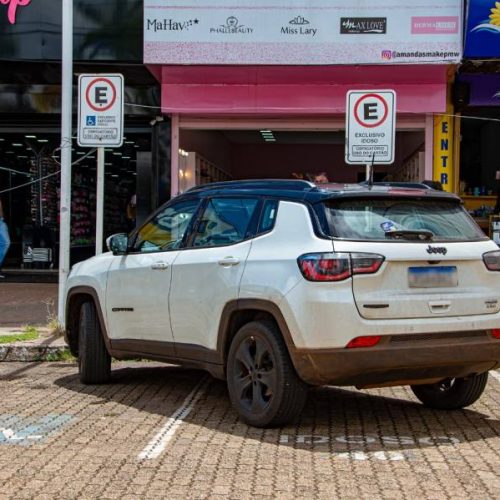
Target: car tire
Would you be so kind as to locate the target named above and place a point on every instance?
(452, 394)
(94, 361)
(263, 386)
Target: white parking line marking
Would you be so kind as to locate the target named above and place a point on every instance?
(495, 374)
(156, 446)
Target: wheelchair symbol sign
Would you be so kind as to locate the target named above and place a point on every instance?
(91, 121)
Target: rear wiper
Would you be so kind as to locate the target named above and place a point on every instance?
(410, 234)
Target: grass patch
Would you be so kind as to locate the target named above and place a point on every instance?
(29, 333)
(63, 355)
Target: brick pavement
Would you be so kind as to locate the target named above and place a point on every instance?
(64, 440)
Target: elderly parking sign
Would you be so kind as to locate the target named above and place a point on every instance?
(100, 110)
(370, 127)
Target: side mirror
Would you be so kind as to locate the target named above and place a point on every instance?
(118, 243)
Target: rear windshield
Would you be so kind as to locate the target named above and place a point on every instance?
(376, 219)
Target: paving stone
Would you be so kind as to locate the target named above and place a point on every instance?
(379, 443)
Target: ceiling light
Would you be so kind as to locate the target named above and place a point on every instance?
(108, 164)
(117, 153)
(30, 136)
(43, 140)
(267, 135)
(80, 152)
(17, 145)
(125, 157)
(2, 139)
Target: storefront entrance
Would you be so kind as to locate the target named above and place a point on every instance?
(219, 150)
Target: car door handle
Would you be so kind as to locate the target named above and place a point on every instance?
(229, 261)
(159, 266)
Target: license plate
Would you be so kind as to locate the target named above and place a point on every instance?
(432, 277)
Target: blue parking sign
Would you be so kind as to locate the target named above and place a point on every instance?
(91, 121)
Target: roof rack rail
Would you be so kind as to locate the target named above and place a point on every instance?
(284, 184)
(414, 185)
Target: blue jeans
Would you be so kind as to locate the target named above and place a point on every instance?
(4, 240)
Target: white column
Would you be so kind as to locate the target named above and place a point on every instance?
(66, 115)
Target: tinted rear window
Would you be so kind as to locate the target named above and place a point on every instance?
(372, 219)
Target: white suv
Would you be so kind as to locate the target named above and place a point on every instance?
(277, 285)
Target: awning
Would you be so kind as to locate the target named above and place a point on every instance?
(295, 90)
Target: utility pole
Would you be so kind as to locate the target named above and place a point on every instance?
(66, 117)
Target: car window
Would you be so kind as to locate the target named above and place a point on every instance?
(225, 221)
(376, 219)
(167, 228)
(268, 217)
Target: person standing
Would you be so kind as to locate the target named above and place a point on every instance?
(4, 238)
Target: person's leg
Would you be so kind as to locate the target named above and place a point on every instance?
(4, 241)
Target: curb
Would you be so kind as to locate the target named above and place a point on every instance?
(12, 352)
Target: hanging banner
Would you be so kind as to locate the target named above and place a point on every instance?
(482, 37)
(302, 32)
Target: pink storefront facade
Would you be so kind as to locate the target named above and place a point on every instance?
(287, 97)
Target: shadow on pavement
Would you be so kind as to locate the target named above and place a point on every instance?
(333, 420)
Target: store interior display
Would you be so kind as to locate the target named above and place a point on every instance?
(83, 202)
(32, 211)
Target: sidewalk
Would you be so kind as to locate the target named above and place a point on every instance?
(24, 304)
(29, 307)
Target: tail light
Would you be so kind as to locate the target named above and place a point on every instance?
(496, 333)
(492, 260)
(338, 266)
(367, 341)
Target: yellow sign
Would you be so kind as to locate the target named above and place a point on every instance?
(443, 170)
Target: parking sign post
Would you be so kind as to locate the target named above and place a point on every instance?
(370, 128)
(100, 125)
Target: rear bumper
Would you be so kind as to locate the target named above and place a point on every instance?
(400, 360)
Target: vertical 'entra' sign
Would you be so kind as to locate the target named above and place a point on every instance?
(12, 8)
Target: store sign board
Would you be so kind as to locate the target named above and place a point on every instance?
(12, 6)
(100, 110)
(482, 38)
(320, 32)
(370, 127)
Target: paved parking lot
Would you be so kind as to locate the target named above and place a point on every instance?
(160, 432)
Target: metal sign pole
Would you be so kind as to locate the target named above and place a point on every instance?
(66, 115)
(99, 231)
